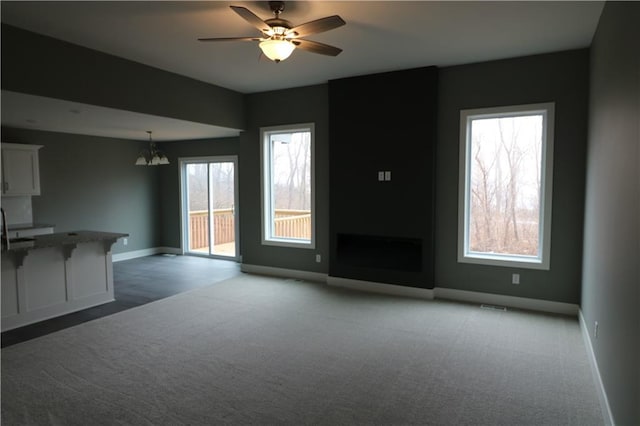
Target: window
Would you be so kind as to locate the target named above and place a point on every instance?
(506, 164)
(288, 185)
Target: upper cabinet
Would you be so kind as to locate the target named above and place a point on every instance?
(20, 169)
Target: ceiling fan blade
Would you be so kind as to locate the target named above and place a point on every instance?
(315, 47)
(251, 18)
(317, 26)
(231, 39)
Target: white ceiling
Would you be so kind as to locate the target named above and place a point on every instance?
(55, 115)
(379, 35)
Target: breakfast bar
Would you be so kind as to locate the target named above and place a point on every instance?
(45, 276)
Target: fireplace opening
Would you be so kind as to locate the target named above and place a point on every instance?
(380, 252)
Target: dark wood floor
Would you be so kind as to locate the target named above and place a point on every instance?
(136, 282)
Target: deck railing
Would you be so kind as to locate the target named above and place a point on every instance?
(223, 228)
(293, 224)
(288, 224)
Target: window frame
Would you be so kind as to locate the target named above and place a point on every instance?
(543, 260)
(266, 186)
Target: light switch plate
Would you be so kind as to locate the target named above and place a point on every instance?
(380, 176)
(387, 175)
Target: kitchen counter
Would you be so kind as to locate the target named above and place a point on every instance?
(25, 226)
(62, 239)
(25, 230)
(45, 276)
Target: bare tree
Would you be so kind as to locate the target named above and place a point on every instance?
(506, 156)
(292, 165)
(514, 157)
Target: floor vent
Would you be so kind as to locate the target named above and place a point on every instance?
(493, 307)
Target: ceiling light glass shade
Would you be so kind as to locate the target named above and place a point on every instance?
(277, 50)
(141, 161)
(163, 160)
(155, 160)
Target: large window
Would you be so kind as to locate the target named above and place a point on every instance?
(505, 185)
(288, 185)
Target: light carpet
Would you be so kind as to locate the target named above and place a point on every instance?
(263, 350)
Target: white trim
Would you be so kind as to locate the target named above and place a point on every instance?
(266, 196)
(182, 173)
(422, 293)
(543, 259)
(183, 191)
(54, 311)
(374, 287)
(607, 415)
(510, 301)
(145, 252)
(282, 272)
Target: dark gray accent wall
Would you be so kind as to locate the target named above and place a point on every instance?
(44, 66)
(170, 179)
(91, 183)
(383, 231)
(292, 106)
(558, 77)
(611, 278)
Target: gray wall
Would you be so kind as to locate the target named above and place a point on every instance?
(91, 183)
(170, 181)
(611, 280)
(558, 77)
(302, 105)
(44, 66)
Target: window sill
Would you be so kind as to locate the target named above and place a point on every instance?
(289, 243)
(523, 262)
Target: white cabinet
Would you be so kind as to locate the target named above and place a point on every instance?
(20, 169)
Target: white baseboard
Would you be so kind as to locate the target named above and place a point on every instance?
(282, 272)
(145, 252)
(422, 293)
(509, 301)
(607, 415)
(48, 312)
(370, 286)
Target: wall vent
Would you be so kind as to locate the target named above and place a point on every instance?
(493, 307)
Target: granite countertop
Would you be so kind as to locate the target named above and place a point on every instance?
(23, 226)
(61, 239)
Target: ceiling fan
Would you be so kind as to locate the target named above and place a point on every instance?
(280, 38)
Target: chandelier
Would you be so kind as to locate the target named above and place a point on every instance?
(151, 156)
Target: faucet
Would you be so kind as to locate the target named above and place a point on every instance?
(5, 232)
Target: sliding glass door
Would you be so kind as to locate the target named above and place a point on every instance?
(209, 194)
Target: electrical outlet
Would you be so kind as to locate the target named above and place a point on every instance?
(318, 258)
(595, 330)
(515, 279)
(125, 241)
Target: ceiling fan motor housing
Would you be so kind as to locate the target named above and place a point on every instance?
(276, 7)
(279, 26)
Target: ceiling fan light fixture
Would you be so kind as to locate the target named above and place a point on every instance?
(280, 37)
(277, 50)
